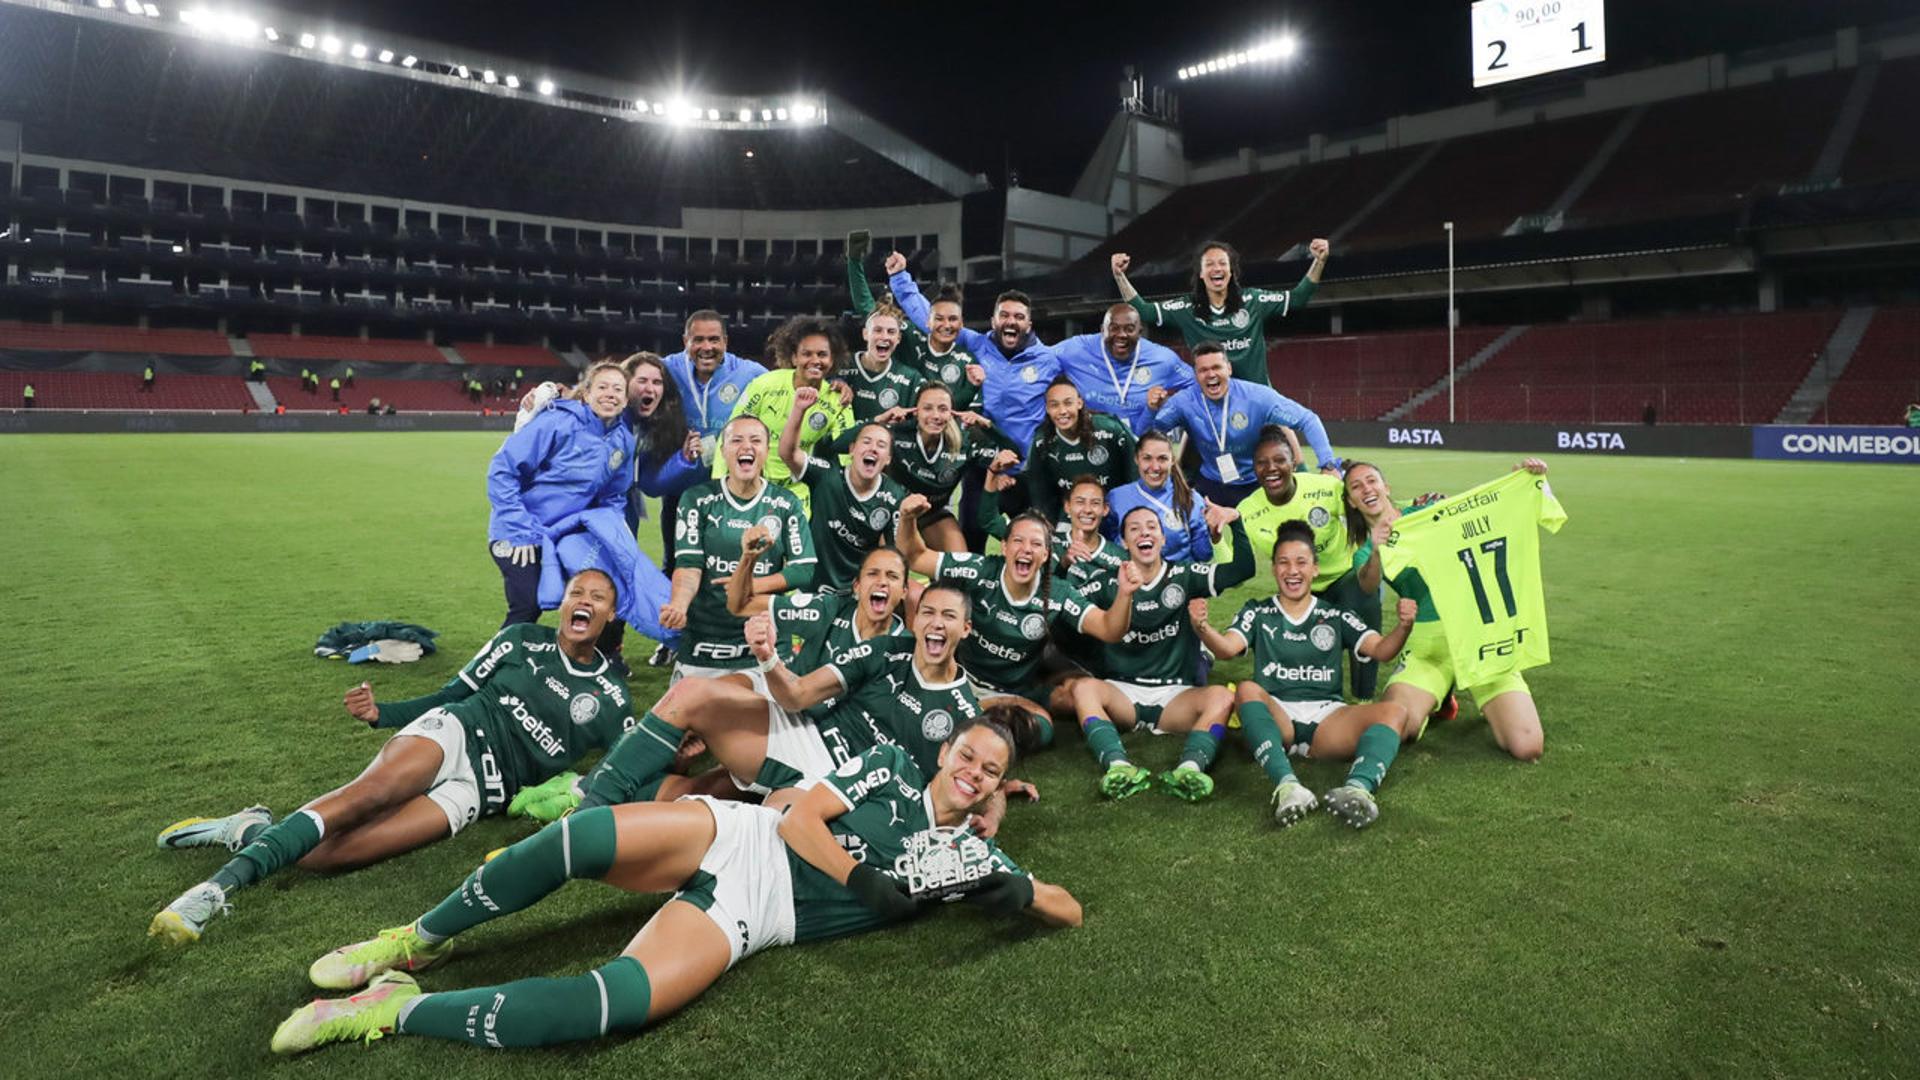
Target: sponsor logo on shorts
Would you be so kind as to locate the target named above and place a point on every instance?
(583, 708)
(1033, 626)
(433, 721)
(1323, 637)
(937, 725)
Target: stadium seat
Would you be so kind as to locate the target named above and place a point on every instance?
(1883, 377)
(121, 390)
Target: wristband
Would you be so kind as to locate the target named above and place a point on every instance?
(764, 666)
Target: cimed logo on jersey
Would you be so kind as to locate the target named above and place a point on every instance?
(941, 862)
(1322, 637)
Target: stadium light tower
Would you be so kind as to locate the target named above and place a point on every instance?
(1281, 47)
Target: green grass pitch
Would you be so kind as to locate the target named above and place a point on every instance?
(1713, 872)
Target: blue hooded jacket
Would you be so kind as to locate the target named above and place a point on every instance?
(564, 461)
(1014, 395)
(709, 407)
(1232, 425)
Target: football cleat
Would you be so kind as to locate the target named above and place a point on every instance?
(228, 832)
(662, 657)
(1123, 779)
(1292, 802)
(1352, 804)
(183, 921)
(398, 949)
(371, 1014)
(1449, 708)
(1187, 783)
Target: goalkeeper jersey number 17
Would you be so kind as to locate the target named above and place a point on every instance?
(1479, 554)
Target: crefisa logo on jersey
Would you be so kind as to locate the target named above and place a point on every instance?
(583, 708)
(1322, 637)
(1415, 436)
(1589, 440)
(937, 725)
(1033, 626)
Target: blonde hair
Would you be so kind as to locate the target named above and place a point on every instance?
(579, 391)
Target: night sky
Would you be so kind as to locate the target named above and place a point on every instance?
(990, 85)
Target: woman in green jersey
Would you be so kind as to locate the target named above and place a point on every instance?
(806, 351)
(933, 445)
(1220, 310)
(1425, 676)
(854, 851)
(1075, 441)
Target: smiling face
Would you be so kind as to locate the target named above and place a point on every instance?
(1212, 371)
(1367, 490)
(934, 411)
(972, 766)
(882, 335)
(1154, 456)
(812, 360)
(706, 345)
(645, 389)
(585, 607)
(1142, 536)
(939, 623)
(1012, 320)
(607, 393)
(1122, 332)
(1086, 507)
(1294, 566)
(943, 324)
(881, 583)
(743, 446)
(1026, 551)
(1216, 269)
(1063, 407)
(1273, 467)
(872, 451)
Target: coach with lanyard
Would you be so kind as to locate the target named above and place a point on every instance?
(1224, 416)
(1117, 368)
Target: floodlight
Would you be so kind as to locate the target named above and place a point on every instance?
(545, 86)
(746, 115)
(386, 56)
(133, 7)
(713, 114)
(804, 111)
(780, 114)
(409, 60)
(177, 249)
(1287, 46)
(151, 11)
(749, 153)
(271, 34)
(513, 82)
(489, 77)
(307, 41)
(461, 70)
(190, 16)
(330, 45)
(659, 108)
(358, 52)
(105, 4)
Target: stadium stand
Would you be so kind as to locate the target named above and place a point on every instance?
(1883, 148)
(405, 395)
(121, 390)
(111, 339)
(354, 350)
(1884, 375)
(528, 357)
(1361, 376)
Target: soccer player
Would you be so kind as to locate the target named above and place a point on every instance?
(708, 546)
(1219, 310)
(1286, 494)
(806, 353)
(1075, 441)
(825, 862)
(1146, 679)
(1016, 600)
(527, 706)
(1292, 703)
(811, 628)
(1116, 367)
(1017, 367)
(575, 456)
(1225, 416)
(934, 352)
(1429, 671)
(1187, 524)
(854, 509)
(880, 379)
(935, 451)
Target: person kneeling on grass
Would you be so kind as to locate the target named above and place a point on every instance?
(1292, 703)
(854, 851)
(526, 707)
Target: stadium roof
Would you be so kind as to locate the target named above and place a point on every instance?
(320, 104)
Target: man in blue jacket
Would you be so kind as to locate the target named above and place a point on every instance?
(1017, 364)
(1115, 369)
(574, 456)
(1223, 416)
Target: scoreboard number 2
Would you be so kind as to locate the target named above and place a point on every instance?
(1518, 39)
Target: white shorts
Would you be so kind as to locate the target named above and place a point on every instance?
(1157, 697)
(694, 671)
(1310, 712)
(455, 788)
(744, 884)
(984, 692)
(792, 741)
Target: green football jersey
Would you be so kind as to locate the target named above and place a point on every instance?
(707, 538)
(770, 397)
(1318, 500)
(531, 713)
(1054, 463)
(1008, 638)
(1087, 574)
(1160, 647)
(875, 393)
(1479, 554)
(887, 702)
(1300, 660)
(1242, 333)
(936, 472)
(949, 368)
(847, 526)
(811, 628)
(1407, 584)
(886, 800)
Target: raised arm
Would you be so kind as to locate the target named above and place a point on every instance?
(1110, 623)
(906, 293)
(1239, 569)
(1384, 648)
(907, 534)
(857, 286)
(1120, 261)
(790, 691)
(1224, 645)
(790, 450)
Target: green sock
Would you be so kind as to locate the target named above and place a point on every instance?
(1378, 745)
(536, 1012)
(1263, 735)
(280, 844)
(1042, 730)
(641, 755)
(1104, 740)
(581, 845)
(1202, 744)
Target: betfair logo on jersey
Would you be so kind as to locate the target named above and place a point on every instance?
(1165, 633)
(1505, 646)
(1303, 673)
(1589, 440)
(536, 728)
(1415, 436)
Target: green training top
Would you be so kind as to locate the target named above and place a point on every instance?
(948, 368)
(1160, 647)
(1009, 638)
(847, 526)
(1300, 661)
(707, 538)
(1053, 463)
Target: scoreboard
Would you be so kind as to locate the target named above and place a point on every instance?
(1518, 39)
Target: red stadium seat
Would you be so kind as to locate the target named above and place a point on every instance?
(121, 390)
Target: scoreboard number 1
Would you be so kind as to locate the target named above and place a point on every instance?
(1518, 39)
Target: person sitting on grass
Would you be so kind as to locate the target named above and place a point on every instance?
(851, 852)
(526, 707)
(1292, 703)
